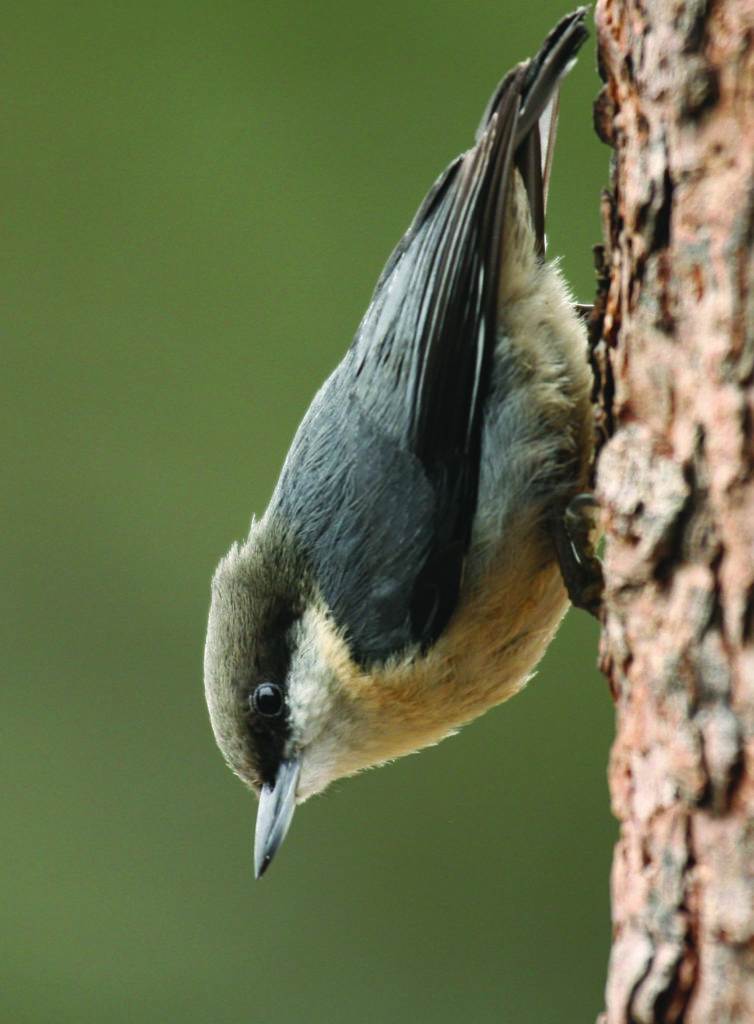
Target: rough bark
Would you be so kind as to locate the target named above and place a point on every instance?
(676, 483)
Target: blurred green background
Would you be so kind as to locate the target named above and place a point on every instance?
(197, 200)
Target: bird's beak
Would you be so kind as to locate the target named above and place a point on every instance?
(277, 802)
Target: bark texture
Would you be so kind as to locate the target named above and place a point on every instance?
(676, 483)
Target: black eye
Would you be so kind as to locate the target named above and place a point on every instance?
(267, 700)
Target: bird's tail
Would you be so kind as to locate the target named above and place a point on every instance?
(537, 81)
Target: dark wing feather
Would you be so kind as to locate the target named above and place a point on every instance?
(398, 425)
(422, 356)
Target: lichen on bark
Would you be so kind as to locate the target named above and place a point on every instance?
(676, 484)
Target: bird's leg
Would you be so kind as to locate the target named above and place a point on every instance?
(580, 567)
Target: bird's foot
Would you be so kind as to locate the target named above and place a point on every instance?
(575, 537)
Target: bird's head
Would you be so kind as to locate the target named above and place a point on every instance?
(290, 709)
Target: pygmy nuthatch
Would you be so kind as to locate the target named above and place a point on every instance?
(406, 574)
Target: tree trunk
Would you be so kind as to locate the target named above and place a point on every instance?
(676, 484)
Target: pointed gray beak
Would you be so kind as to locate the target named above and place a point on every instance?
(276, 806)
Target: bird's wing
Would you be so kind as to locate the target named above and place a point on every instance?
(399, 423)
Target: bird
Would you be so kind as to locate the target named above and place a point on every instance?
(411, 566)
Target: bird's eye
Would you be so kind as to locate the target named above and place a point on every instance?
(267, 700)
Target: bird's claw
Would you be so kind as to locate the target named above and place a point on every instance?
(575, 537)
